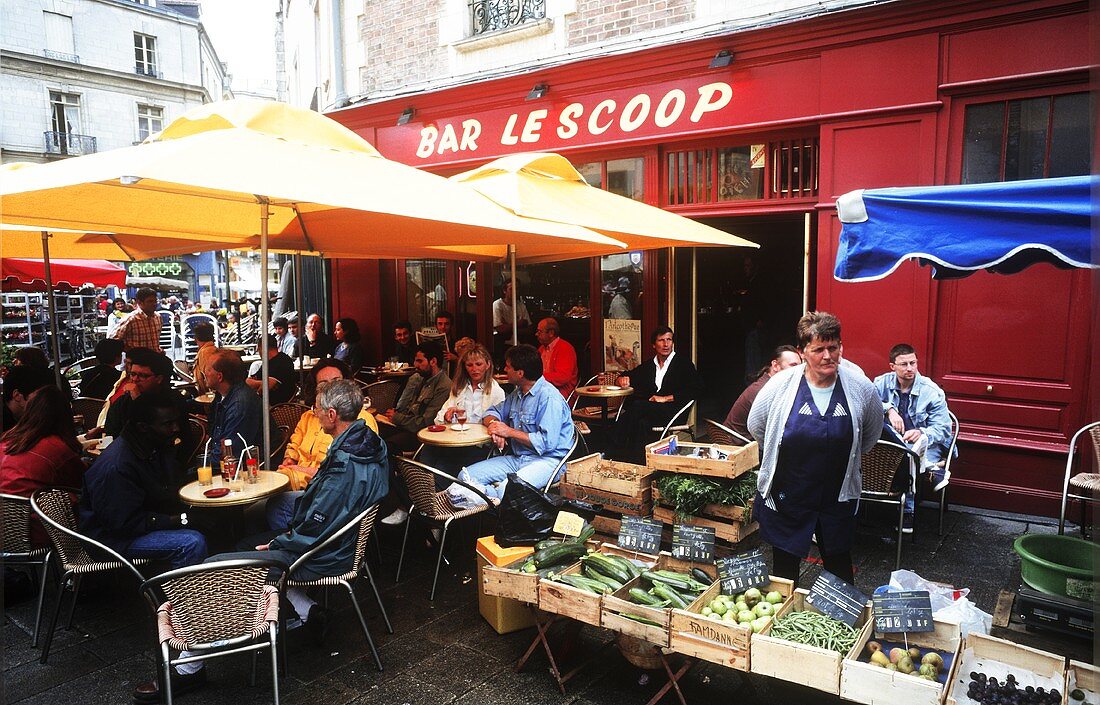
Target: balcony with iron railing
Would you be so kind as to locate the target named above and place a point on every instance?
(68, 144)
(147, 70)
(61, 56)
(495, 15)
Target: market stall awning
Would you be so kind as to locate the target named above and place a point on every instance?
(30, 274)
(1000, 227)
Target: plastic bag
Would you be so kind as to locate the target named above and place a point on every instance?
(970, 619)
(527, 514)
(941, 595)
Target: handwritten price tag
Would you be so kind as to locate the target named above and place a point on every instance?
(693, 543)
(837, 599)
(908, 611)
(641, 535)
(568, 524)
(739, 573)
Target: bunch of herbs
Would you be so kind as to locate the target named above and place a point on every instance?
(688, 494)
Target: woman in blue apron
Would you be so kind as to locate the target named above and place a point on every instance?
(812, 422)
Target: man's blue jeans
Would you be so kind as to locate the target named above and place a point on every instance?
(180, 547)
(280, 510)
(490, 476)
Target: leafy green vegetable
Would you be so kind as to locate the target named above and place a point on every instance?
(688, 494)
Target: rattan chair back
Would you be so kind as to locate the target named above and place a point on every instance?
(212, 603)
(383, 395)
(57, 506)
(15, 521)
(288, 414)
(420, 483)
(89, 408)
(885, 470)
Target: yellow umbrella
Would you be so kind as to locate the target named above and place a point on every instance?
(26, 241)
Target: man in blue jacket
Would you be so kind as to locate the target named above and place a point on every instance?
(353, 476)
(916, 409)
(237, 411)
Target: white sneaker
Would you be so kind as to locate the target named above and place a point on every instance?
(398, 516)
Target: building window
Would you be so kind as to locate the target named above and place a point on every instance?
(150, 120)
(145, 54)
(493, 15)
(425, 291)
(1028, 138)
(63, 137)
(624, 177)
(59, 37)
(780, 169)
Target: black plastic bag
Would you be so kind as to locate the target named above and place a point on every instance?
(527, 514)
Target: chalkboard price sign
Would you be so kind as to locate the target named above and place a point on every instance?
(641, 535)
(903, 611)
(837, 599)
(693, 543)
(739, 573)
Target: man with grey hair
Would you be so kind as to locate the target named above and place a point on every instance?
(353, 476)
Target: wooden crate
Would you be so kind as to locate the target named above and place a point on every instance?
(608, 475)
(724, 643)
(740, 459)
(568, 601)
(990, 648)
(618, 604)
(725, 529)
(717, 511)
(1081, 675)
(864, 682)
(637, 504)
(798, 663)
(643, 559)
(510, 582)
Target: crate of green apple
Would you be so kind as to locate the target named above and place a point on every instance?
(912, 668)
(642, 607)
(719, 628)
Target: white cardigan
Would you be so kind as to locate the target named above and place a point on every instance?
(774, 405)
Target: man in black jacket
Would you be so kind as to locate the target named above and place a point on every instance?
(97, 382)
(662, 385)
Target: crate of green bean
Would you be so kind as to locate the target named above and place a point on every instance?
(803, 646)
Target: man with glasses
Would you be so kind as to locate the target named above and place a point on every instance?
(141, 329)
(916, 410)
(559, 357)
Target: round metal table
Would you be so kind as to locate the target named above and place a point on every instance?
(269, 483)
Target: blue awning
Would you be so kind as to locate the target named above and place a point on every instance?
(1000, 227)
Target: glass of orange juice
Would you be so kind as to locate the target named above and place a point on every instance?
(206, 474)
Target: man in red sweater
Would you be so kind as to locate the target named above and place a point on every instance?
(559, 358)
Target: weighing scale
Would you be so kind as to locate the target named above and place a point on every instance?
(1065, 615)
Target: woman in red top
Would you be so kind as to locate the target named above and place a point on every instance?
(41, 450)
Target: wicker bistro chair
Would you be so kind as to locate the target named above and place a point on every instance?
(383, 395)
(89, 408)
(886, 479)
(218, 609)
(74, 370)
(199, 436)
(714, 432)
(70, 550)
(15, 521)
(288, 414)
(363, 524)
(955, 427)
(615, 405)
(433, 506)
(679, 422)
(1085, 484)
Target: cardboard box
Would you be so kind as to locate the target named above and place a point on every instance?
(799, 663)
(990, 648)
(740, 459)
(725, 643)
(497, 599)
(619, 604)
(867, 683)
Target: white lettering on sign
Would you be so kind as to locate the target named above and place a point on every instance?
(641, 110)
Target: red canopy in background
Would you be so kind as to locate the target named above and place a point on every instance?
(68, 274)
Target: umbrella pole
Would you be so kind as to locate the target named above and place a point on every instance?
(265, 212)
(301, 319)
(55, 344)
(515, 296)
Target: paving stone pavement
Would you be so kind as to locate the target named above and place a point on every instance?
(443, 652)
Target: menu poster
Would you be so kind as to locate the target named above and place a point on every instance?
(903, 611)
(739, 573)
(837, 599)
(622, 344)
(640, 534)
(693, 543)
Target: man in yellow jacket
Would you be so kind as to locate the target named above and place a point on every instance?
(309, 443)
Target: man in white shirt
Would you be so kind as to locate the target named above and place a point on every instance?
(502, 315)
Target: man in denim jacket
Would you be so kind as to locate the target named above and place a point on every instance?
(916, 409)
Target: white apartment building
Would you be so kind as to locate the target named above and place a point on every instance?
(81, 76)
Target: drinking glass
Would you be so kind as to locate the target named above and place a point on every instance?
(460, 415)
(206, 475)
(236, 483)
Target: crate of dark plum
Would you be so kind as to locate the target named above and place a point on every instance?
(991, 671)
(897, 668)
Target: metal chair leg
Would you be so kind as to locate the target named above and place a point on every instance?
(43, 569)
(363, 623)
(439, 559)
(72, 605)
(943, 504)
(405, 540)
(166, 657)
(252, 674)
(378, 597)
(282, 641)
(901, 526)
(53, 618)
(274, 663)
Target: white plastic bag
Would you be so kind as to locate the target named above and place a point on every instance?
(941, 595)
(970, 619)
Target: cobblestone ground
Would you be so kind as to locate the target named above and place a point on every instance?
(444, 652)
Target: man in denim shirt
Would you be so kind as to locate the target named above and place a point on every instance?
(533, 420)
(916, 409)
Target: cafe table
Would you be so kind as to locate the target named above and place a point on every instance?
(603, 394)
(448, 436)
(192, 494)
